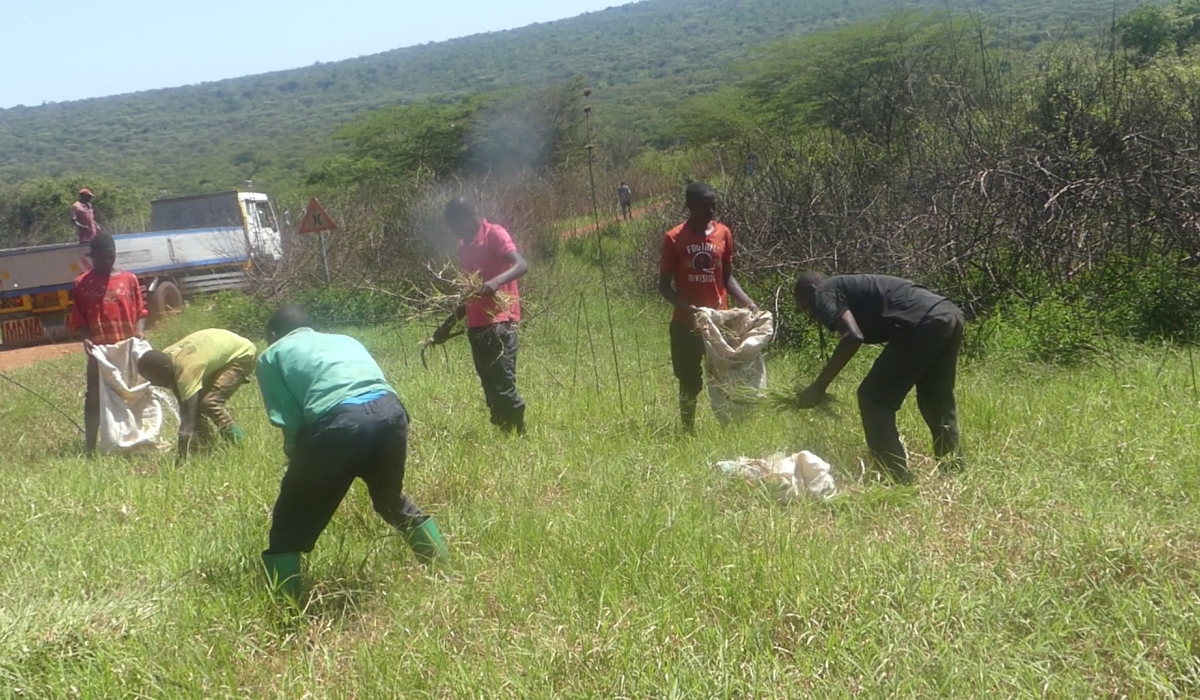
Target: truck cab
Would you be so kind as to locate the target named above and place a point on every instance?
(262, 226)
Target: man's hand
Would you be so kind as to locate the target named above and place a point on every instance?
(488, 289)
(811, 397)
(441, 335)
(88, 345)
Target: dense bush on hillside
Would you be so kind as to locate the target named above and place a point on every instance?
(38, 211)
(642, 58)
(908, 146)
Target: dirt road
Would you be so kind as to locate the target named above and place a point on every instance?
(22, 357)
(590, 228)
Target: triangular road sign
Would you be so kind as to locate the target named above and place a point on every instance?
(316, 219)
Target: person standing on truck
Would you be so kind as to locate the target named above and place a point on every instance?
(341, 421)
(625, 197)
(487, 251)
(922, 332)
(697, 258)
(203, 370)
(84, 217)
(108, 308)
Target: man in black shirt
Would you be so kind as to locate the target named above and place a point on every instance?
(923, 332)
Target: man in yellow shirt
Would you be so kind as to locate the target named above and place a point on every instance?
(203, 369)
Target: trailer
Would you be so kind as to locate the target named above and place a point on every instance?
(199, 244)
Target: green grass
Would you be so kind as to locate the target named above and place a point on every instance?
(602, 556)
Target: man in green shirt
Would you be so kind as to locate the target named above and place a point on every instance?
(203, 370)
(341, 420)
(922, 331)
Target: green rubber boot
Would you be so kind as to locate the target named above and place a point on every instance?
(427, 543)
(283, 574)
(234, 434)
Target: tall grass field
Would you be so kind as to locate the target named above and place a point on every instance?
(603, 555)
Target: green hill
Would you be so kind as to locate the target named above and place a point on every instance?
(643, 58)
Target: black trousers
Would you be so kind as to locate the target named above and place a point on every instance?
(494, 349)
(367, 441)
(687, 358)
(91, 405)
(926, 357)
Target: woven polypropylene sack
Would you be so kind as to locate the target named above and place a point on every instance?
(132, 412)
(734, 367)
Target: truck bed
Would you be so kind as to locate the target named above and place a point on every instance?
(37, 269)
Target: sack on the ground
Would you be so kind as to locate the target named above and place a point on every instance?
(132, 411)
(795, 476)
(735, 369)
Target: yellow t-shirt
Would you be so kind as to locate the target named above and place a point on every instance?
(199, 356)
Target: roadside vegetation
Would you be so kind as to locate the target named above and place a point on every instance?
(1050, 191)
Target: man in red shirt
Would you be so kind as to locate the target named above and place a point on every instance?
(697, 258)
(84, 217)
(108, 309)
(486, 250)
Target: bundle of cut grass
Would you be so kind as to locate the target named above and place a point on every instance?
(789, 400)
(452, 287)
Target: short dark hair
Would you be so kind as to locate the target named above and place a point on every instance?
(286, 319)
(156, 364)
(458, 207)
(103, 241)
(808, 280)
(698, 190)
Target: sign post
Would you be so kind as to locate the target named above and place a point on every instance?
(317, 220)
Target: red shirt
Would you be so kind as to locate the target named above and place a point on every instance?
(109, 307)
(486, 255)
(699, 263)
(85, 221)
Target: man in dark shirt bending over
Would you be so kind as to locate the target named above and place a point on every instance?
(923, 333)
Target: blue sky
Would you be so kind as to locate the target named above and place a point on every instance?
(62, 50)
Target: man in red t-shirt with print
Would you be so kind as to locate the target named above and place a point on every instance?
(108, 309)
(697, 259)
(486, 250)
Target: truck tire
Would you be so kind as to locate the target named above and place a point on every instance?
(165, 299)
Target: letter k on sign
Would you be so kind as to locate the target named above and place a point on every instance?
(316, 219)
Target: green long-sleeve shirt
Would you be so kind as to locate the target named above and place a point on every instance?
(306, 373)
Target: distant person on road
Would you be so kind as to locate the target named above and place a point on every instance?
(108, 308)
(487, 251)
(625, 197)
(84, 217)
(341, 420)
(922, 332)
(203, 370)
(696, 270)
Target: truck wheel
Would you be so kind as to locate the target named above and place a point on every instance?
(165, 298)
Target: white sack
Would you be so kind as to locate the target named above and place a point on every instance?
(132, 412)
(735, 369)
(795, 476)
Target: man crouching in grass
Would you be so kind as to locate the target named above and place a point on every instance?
(341, 420)
(203, 370)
